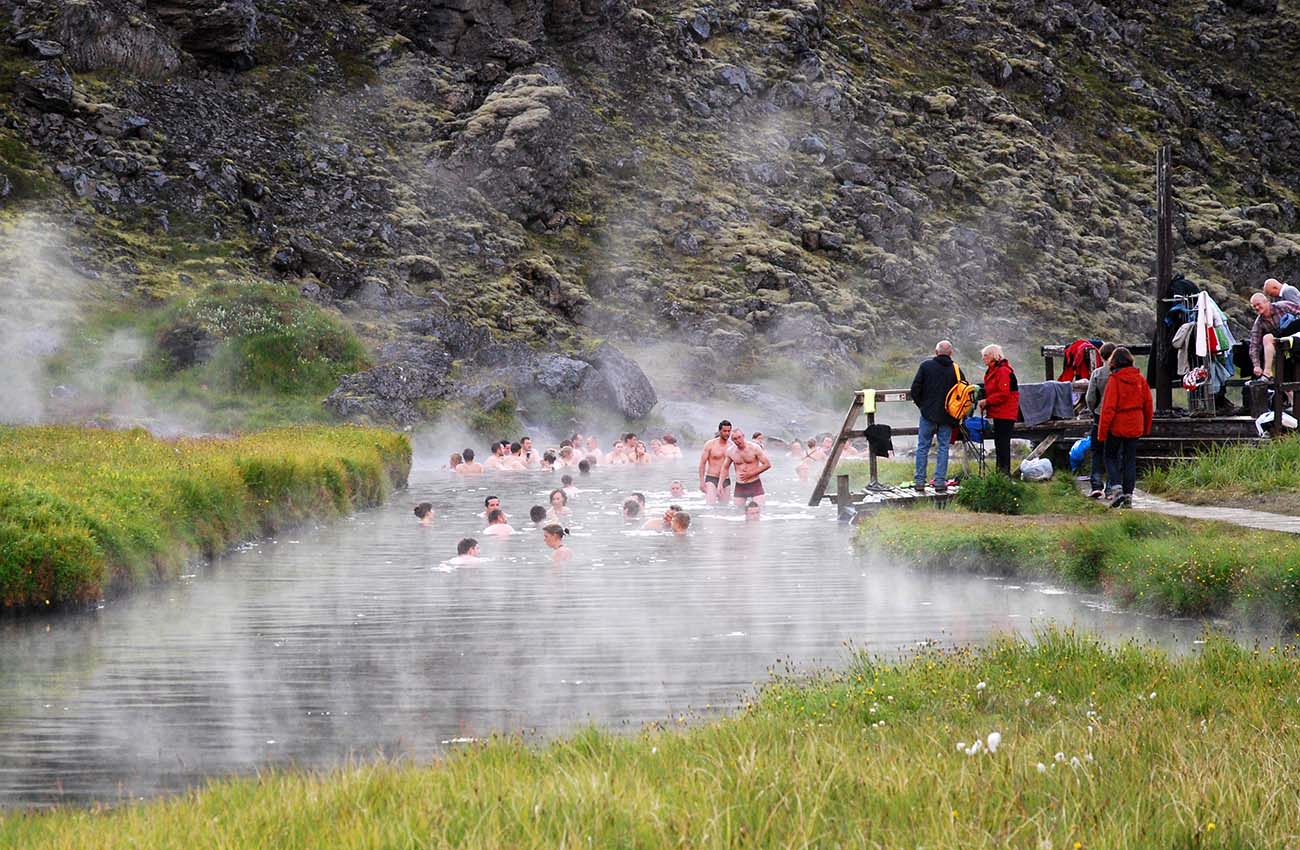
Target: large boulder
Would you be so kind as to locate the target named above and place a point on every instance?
(619, 384)
(223, 32)
(116, 36)
(561, 376)
(396, 391)
(48, 87)
(517, 147)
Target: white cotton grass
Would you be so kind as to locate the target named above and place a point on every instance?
(982, 685)
(1042, 768)
(988, 744)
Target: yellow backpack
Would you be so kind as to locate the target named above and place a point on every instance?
(960, 401)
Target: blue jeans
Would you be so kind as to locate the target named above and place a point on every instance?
(926, 431)
(1098, 458)
(1121, 463)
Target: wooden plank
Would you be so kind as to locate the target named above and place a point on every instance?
(1059, 350)
(1044, 445)
(842, 496)
(824, 480)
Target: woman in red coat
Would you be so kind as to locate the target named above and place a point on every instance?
(1001, 403)
(1125, 417)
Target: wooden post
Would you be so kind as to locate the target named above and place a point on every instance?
(1295, 401)
(1279, 403)
(824, 480)
(1049, 368)
(1159, 374)
(842, 495)
(871, 452)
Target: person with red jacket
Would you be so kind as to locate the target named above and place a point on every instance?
(1126, 409)
(1001, 403)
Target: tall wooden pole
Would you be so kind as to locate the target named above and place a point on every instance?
(1160, 375)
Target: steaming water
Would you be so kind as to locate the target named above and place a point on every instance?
(349, 640)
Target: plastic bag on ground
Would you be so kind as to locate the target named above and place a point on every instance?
(1037, 469)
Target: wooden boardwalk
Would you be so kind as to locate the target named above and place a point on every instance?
(1237, 516)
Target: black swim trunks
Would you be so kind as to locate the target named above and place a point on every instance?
(749, 489)
(713, 479)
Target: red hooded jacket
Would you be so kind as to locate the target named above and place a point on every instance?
(1126, 407)
(1001, 392)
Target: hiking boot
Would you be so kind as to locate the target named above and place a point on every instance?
(920, 488)
(941, 489)
(1122, 501)
(1096, 494)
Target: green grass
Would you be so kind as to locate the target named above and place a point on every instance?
(1100, 748)
(1234, 471)
(268, 339)
(1164, 564)
(85, 511)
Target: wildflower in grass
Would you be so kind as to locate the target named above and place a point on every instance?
(961, 746)
(994, 740)
(1060, 758)
(1209, 827)
(981, 686)
(1042, 768)
(1075, 763)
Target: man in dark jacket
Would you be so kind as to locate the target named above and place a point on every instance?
(930, 388)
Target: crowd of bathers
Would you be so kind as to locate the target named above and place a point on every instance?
(728, 454)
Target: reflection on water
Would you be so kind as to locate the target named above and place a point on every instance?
(348, 640)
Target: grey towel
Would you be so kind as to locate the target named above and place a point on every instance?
(1048, 400)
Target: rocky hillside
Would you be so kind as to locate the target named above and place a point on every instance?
(504, 200)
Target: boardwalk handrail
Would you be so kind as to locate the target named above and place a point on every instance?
(848, 432)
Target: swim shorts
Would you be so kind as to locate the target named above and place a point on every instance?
(713, 479)
(748, 489)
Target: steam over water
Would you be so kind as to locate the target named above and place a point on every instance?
(349, 640)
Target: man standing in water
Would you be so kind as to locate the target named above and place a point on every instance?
(750, 462)
(712, 461)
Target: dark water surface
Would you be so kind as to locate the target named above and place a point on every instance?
(350, 640)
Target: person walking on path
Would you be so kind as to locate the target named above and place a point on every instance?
(930, 387)
(1096, 392)
(1126, 410)
(1001, 403)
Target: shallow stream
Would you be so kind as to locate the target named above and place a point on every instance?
(352, 639)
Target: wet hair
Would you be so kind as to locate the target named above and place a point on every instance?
(556, 529)
(1106, 350)
(564, 497)
(566, 451)
(631, 508)
(640, 497)
(523, 438)
(456, 459)
(1120, 358)
(465, 545)
(496, 515)
(564, 444)
(423, 509)
(670, 439)
(724, 424)
(566, 479)
(812, 443)
(537, 513)
(675, 508)
(548, 456)
(468, 455)
(516, 448)
(584, 467)
(752, 504)
(755, 435)
(490, 498)
(682, 520)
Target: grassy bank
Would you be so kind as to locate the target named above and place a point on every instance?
(85, 511)
(1265, 476)
(1100, 748)
(1165, 564)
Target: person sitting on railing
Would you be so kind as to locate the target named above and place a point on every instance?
(1272, 320)
(1279, 291)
